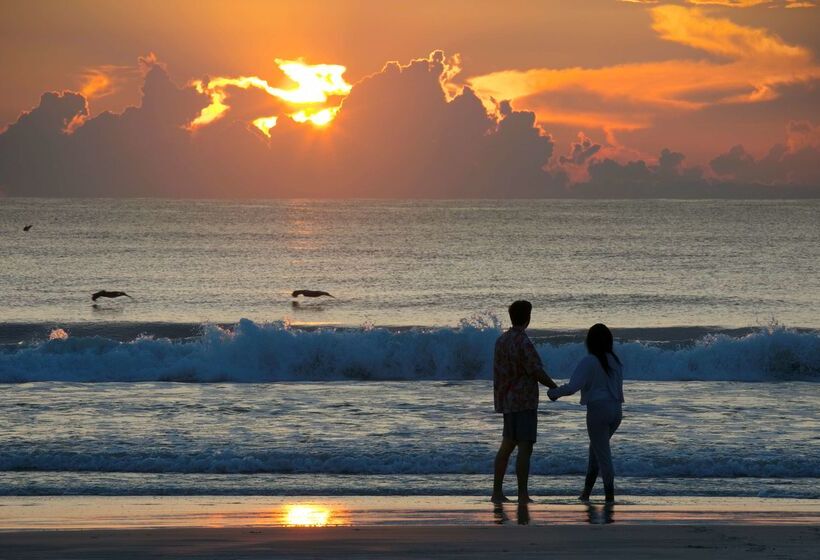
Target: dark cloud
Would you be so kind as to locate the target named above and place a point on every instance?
(669, 178)
(35, 149)
(581, 151)
(792, 163)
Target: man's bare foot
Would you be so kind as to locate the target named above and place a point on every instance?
(525, 500)
(499, 499)
(584, 497)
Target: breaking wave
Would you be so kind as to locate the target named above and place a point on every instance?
(256, 353)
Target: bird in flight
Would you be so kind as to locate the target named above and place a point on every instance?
(28, 227)
(104, 293)
(310, 293)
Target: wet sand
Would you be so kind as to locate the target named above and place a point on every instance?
(727, 542)
(404, 527)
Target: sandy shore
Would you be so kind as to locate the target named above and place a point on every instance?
(416, 542)
(87, 527)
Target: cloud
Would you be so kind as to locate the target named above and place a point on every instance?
(793, 162)
(740, 64)
(738, 3)
(581, 151)
(723, 37)
(128, 154)
(37, 144)
(731, 3)
(788, 170)
(401, 132)
(406, 131)
(667, 177)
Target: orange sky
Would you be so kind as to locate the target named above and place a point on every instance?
(696, 76)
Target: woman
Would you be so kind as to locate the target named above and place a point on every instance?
(600, 378)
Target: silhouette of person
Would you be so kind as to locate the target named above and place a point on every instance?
(599, 376)
(517, 371)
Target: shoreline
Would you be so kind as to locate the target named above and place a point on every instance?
(47, 513)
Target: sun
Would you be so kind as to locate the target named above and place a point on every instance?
(315, 84)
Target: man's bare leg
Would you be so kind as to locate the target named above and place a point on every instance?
(522, 470)
(501, 460)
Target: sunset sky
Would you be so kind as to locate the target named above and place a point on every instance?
(727, 87)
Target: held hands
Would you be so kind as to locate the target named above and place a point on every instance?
(552, 395)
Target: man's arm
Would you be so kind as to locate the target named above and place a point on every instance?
(545, 379)
(535, 367)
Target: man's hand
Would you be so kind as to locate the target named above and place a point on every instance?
(546, 380)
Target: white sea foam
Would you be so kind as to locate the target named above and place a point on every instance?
(255, 352)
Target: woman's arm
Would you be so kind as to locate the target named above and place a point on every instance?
(579, 379)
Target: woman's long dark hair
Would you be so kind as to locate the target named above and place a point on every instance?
(599, 344)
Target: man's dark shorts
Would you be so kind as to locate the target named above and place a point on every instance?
(521, 426)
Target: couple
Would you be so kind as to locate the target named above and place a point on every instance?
(517, 371)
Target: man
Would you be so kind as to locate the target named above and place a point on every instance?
(517, 371)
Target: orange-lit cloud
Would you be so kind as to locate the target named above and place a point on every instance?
(315, 85)
(96, 84)
(744, 65)
(102, 81)
(738, 3)
(731, 3)
(723, 37)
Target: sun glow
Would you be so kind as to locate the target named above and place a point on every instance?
(265, 124)
(319, 118)
(315, 85)
(307, 516)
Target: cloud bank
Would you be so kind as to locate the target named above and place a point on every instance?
(412, 131)
(397, 134)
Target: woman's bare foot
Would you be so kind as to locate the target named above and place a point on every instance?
(525, 500)
(499, 499)
(584, 497)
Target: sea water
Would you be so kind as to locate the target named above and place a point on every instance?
(213, 380)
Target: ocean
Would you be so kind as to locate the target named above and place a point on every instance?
(214, 380)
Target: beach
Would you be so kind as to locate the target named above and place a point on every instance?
(677, 542)
(421, 527)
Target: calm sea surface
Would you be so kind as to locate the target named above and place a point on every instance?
(628, 263)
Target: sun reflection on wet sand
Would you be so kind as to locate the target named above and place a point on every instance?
(308, 515)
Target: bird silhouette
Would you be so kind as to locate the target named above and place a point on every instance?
(310, 293)
(107, 294)
(28, 227)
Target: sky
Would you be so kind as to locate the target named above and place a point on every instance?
(410, 99)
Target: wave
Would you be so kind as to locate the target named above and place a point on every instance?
(266, 352)
(51, 483)
(633, 461)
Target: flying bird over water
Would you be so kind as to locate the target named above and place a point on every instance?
(28, 227)
(310, 293)
(107, 294)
